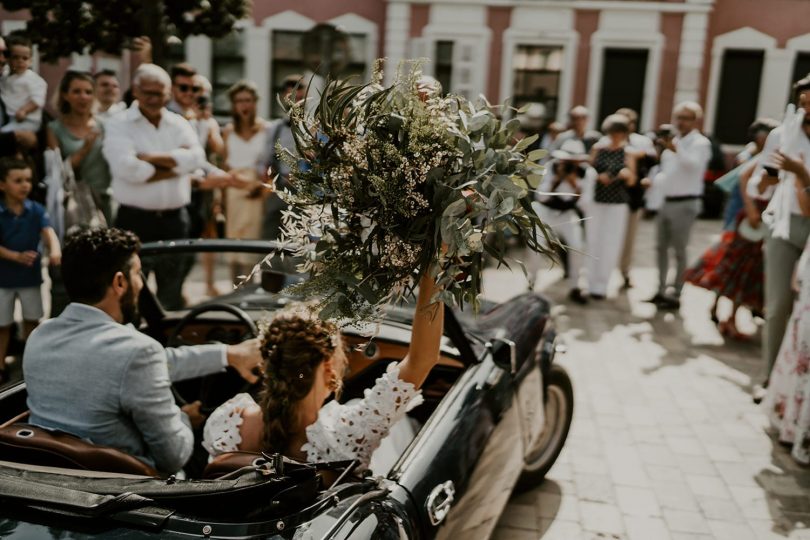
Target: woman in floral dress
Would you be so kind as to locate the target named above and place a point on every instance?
(788, 399)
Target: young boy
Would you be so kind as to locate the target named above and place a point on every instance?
(22, 224)
(22, 90)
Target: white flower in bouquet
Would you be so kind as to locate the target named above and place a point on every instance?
(394, 179)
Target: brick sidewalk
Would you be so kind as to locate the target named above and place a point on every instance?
(666, 442)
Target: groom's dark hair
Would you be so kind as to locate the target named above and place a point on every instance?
(91, 259)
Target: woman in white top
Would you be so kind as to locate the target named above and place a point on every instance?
(245, 146)
(304, 364)
(567, 176)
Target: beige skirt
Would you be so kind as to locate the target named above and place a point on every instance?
(244, 216)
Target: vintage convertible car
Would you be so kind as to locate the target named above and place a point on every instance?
(495, 417)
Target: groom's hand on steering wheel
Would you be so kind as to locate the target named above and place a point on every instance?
(246, 359)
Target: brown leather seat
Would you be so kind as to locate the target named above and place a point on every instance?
(231, 461)
(25, 443)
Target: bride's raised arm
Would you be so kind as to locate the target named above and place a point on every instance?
(428, 324)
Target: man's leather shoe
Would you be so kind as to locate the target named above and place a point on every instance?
(577, 297)
(669, 303)
(657, 299)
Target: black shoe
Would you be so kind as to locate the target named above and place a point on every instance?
(669, 303)
(657, 299)
(759, 392)
(577, 297)
(595, 296)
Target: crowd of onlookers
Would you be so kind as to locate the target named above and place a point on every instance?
(599, 185)
(152, 160)
(155, 161)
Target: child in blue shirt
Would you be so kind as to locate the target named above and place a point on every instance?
(23, 223)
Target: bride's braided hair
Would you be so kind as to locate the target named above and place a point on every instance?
(293, 345)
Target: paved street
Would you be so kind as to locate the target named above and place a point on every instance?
(666, 442)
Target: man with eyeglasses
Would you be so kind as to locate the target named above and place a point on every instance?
(152, 153)
(11, 142)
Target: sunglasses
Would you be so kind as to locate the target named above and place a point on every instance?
(186, 88)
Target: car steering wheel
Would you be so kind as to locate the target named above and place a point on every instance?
(217, 382)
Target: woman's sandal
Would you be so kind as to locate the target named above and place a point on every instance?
(727, 329)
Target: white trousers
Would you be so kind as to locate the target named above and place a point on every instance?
(567, 226)
(605, 234)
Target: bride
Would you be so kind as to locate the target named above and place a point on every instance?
(304, 362)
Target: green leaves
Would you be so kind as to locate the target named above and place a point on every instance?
(63, 27)
(391, 185)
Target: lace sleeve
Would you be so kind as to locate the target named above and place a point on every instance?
(221, 431)
(354, 431)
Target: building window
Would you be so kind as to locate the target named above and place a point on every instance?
(738, 97)
(227, 68)
(801, 68)
(536, 77)
(444, 64)
(288, 59)
(624, 75)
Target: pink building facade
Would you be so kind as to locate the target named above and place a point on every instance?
(738, 58)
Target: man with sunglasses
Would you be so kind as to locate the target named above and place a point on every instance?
(11, 142)
(185, 90)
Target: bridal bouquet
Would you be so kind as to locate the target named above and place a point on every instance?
(389, 180)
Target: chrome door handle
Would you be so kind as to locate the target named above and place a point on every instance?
(439, 502)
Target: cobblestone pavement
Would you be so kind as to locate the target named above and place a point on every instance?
(665, 442)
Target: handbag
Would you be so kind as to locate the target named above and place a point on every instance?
(81, 209)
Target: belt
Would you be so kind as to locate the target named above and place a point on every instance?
(679, 198)
(172, 212)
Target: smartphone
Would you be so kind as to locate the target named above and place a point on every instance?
(770, 170)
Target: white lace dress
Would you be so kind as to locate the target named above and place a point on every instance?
(342, 432)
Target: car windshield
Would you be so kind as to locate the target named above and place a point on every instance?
(188, 279)
(249, 279)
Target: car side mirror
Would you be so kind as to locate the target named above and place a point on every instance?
(504, 354)
(272, 281)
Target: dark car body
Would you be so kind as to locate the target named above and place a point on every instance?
(452, 481)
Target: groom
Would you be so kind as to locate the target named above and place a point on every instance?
(91, 373)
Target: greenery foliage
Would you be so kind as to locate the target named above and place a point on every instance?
(63, 27)
(397, 181)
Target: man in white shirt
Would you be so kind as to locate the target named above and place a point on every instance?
(108, 94)
(683, 166)
(152, 153)
(787, 148)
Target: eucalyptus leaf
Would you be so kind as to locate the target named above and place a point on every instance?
(525, 142)
(538, 154)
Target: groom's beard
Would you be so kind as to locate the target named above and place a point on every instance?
(129, 308)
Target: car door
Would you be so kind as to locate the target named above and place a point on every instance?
(461, 468)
